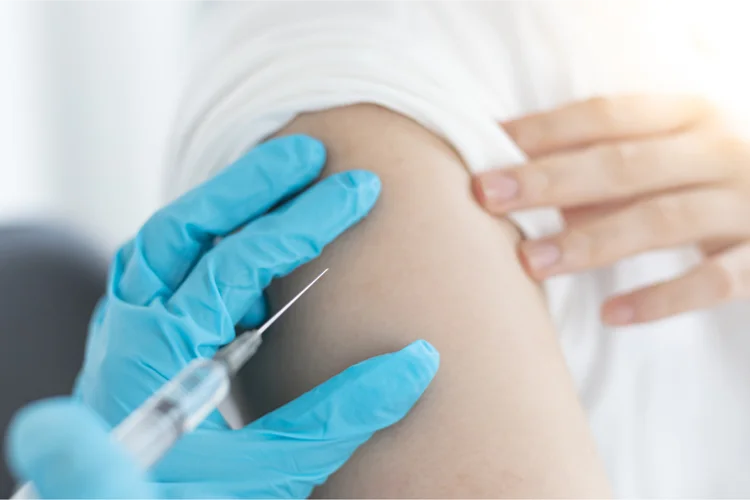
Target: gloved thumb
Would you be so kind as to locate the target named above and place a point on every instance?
(364, 398)
(65, 449)
(289, 451)
(322, 428)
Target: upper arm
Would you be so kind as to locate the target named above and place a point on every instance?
(502, 417)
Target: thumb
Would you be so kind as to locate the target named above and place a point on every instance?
(324, 426)
(296, 447)
(66, 451)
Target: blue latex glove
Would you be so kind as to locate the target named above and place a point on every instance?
(174, 295)
(64, 448)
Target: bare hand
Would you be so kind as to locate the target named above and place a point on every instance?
(633, 174)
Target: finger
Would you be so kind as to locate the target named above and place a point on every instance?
(603, 119)
(362, 399)
(605, 173)
(308, 439)
(718, 280)
(232, 276)
(66, 451)
(173, 239)
(666, 221)
(324, 427)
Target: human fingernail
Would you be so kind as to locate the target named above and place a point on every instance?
(496, 187)
(540, 256)
(618, 314)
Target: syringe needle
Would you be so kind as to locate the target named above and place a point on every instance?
(281, 311)
(195, 392)
(239, 351)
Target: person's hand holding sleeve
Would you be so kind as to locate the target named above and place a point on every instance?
(175, 294)
(633, 174)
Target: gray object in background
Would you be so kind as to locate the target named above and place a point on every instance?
(50, 282)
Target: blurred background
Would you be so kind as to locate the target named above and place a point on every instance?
(87, 94)
(87, 91)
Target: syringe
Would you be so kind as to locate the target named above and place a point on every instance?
(185, 401)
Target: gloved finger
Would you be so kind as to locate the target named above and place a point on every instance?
(289, 451)
(256, 315)
(65, 450)
(232, 276)
(362, 399)
(174, 238)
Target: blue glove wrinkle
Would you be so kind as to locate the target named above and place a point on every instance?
(243, 264)
(270, 259)
(202, 297)
(151, 330)
(178, 239)
(206, 315)
(368, 186)
(179, 233)
(285, 236)
(256, 314)
(195, 241)
(138, 284)
(114, 406)
(174, 296)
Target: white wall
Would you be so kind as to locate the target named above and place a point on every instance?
(87, 90)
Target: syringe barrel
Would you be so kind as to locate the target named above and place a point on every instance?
(177, 408)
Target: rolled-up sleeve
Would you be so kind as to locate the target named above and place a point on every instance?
(263, 63)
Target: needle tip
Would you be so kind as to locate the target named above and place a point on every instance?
(276, 316)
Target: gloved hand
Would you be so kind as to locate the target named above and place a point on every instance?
(64, 448)
(174, 295)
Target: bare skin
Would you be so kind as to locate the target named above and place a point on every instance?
(633, 174)
(502, 418)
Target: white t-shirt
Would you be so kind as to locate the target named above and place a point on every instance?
(668, 402)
